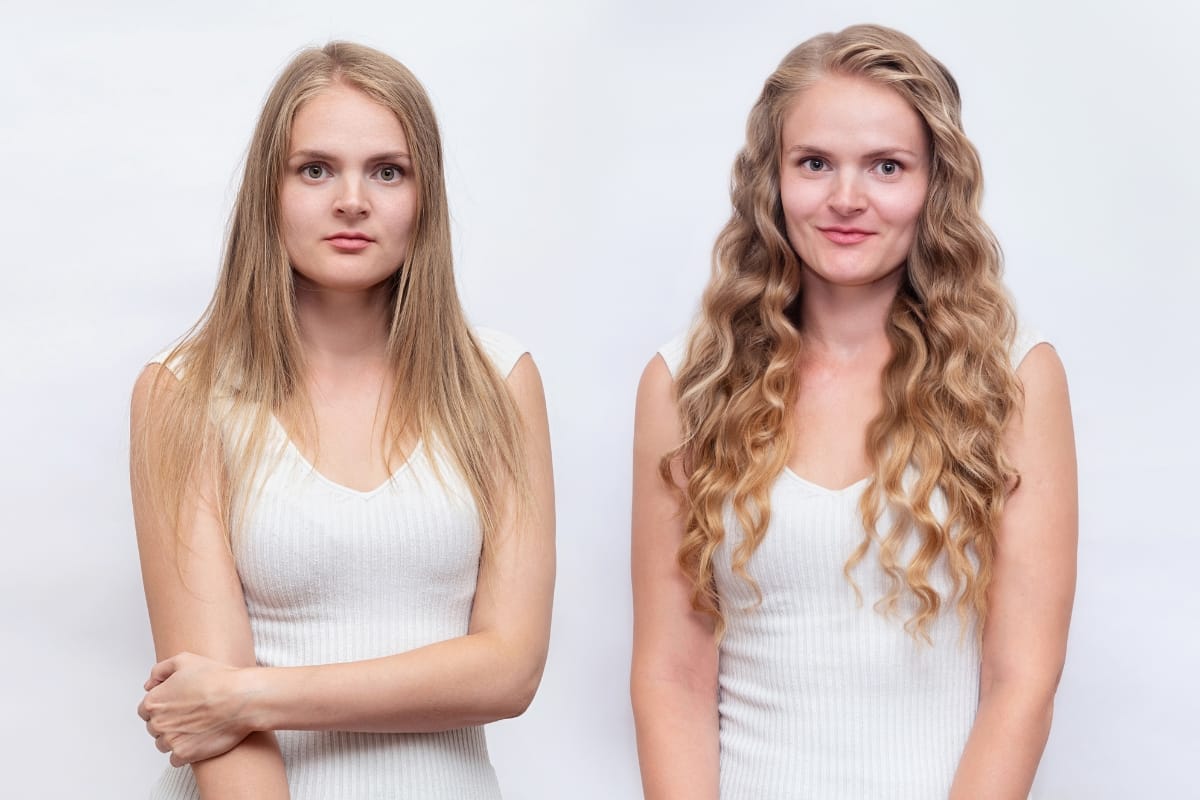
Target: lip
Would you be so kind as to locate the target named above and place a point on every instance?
(839, 234)
(349, 241)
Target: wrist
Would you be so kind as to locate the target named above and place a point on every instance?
(253, 687)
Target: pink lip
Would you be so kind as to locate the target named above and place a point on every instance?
(349, 241)
(842, 235)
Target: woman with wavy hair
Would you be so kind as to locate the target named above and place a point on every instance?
(342, 491)
(854, 480)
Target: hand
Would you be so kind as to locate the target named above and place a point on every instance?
(195, 707)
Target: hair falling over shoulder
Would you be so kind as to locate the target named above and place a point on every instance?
(242, 364)
(949, 388)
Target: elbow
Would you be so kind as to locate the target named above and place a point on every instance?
(1028, 678)
(515, 695)
(515, 704)
(653, 685)
(1025, 695)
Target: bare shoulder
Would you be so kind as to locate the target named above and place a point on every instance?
(656, 404)
(154, 385)
(1041, 372)
(1041, 436)
(656, 378)
(525, 384)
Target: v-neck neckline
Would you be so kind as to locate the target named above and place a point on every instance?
(368, 493)
(858, 484)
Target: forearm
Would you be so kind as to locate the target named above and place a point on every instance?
(1005, 745)
(677, 739)
(251, 771)
(461, 682)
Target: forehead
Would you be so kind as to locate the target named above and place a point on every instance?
(840, 113)
(342, 117)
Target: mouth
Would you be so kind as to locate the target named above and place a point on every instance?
(349, 241)
(839, 234)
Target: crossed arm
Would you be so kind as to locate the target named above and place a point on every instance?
(208, 704)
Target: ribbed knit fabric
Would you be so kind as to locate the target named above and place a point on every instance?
(331, 574)
(821, 697)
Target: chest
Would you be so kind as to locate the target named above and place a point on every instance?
(833, 410)
(309, 546)
(799, 565)
(347, 438)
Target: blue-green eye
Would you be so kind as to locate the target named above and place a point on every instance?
(813, 163)
(313, 171)
(889, 168)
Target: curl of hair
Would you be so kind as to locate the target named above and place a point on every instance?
(242, 364)
(949, 389)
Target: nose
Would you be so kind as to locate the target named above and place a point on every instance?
(847, 195)
(351, 200)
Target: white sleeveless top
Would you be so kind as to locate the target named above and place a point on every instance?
(331, 574)
(821, 697)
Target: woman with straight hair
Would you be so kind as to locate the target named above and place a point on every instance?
(342, 492)
(854, 524)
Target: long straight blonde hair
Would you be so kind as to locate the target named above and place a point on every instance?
(949, 388)
(243, 362)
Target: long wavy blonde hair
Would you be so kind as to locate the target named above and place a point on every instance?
(948, 389)
(243, 362)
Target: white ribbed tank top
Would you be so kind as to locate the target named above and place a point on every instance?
(331, 574)
(821, 697)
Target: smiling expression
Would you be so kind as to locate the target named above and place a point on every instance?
(348, 197)
(853, 176)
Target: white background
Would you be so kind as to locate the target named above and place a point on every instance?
(589, 148)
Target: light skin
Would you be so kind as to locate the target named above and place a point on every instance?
(854, 172)
(206, 702)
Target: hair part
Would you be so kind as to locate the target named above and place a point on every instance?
(243, 364)
(949, 388)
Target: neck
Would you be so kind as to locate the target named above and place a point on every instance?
(846, 322)
(338, 327)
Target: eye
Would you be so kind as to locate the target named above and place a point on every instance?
(313, 172)
(889, 168)
(813, 163)
(390, 173)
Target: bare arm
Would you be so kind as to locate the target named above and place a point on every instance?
(674, 676)
(1025, 637)
(490, 673)
(195, 602)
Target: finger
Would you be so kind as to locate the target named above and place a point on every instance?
(151, 729)
(162, 670)
(161, 743)
(142, 712)
(176, 761)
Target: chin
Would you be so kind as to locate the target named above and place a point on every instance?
(851, 276)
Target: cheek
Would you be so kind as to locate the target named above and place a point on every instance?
(799, 202)
(404, 211)
(293, 222)
(291, 213)
(902, 211)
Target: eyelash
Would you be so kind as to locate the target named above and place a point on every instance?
(325, 171)
(899, 167)
(304, 171)
(399, 171)
(807, 163)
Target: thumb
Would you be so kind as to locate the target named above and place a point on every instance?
(161, 671)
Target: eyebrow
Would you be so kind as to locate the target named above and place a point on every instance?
(321, 155)
(883, 152)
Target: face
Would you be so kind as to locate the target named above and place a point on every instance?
(348, 198)
(853, 175)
